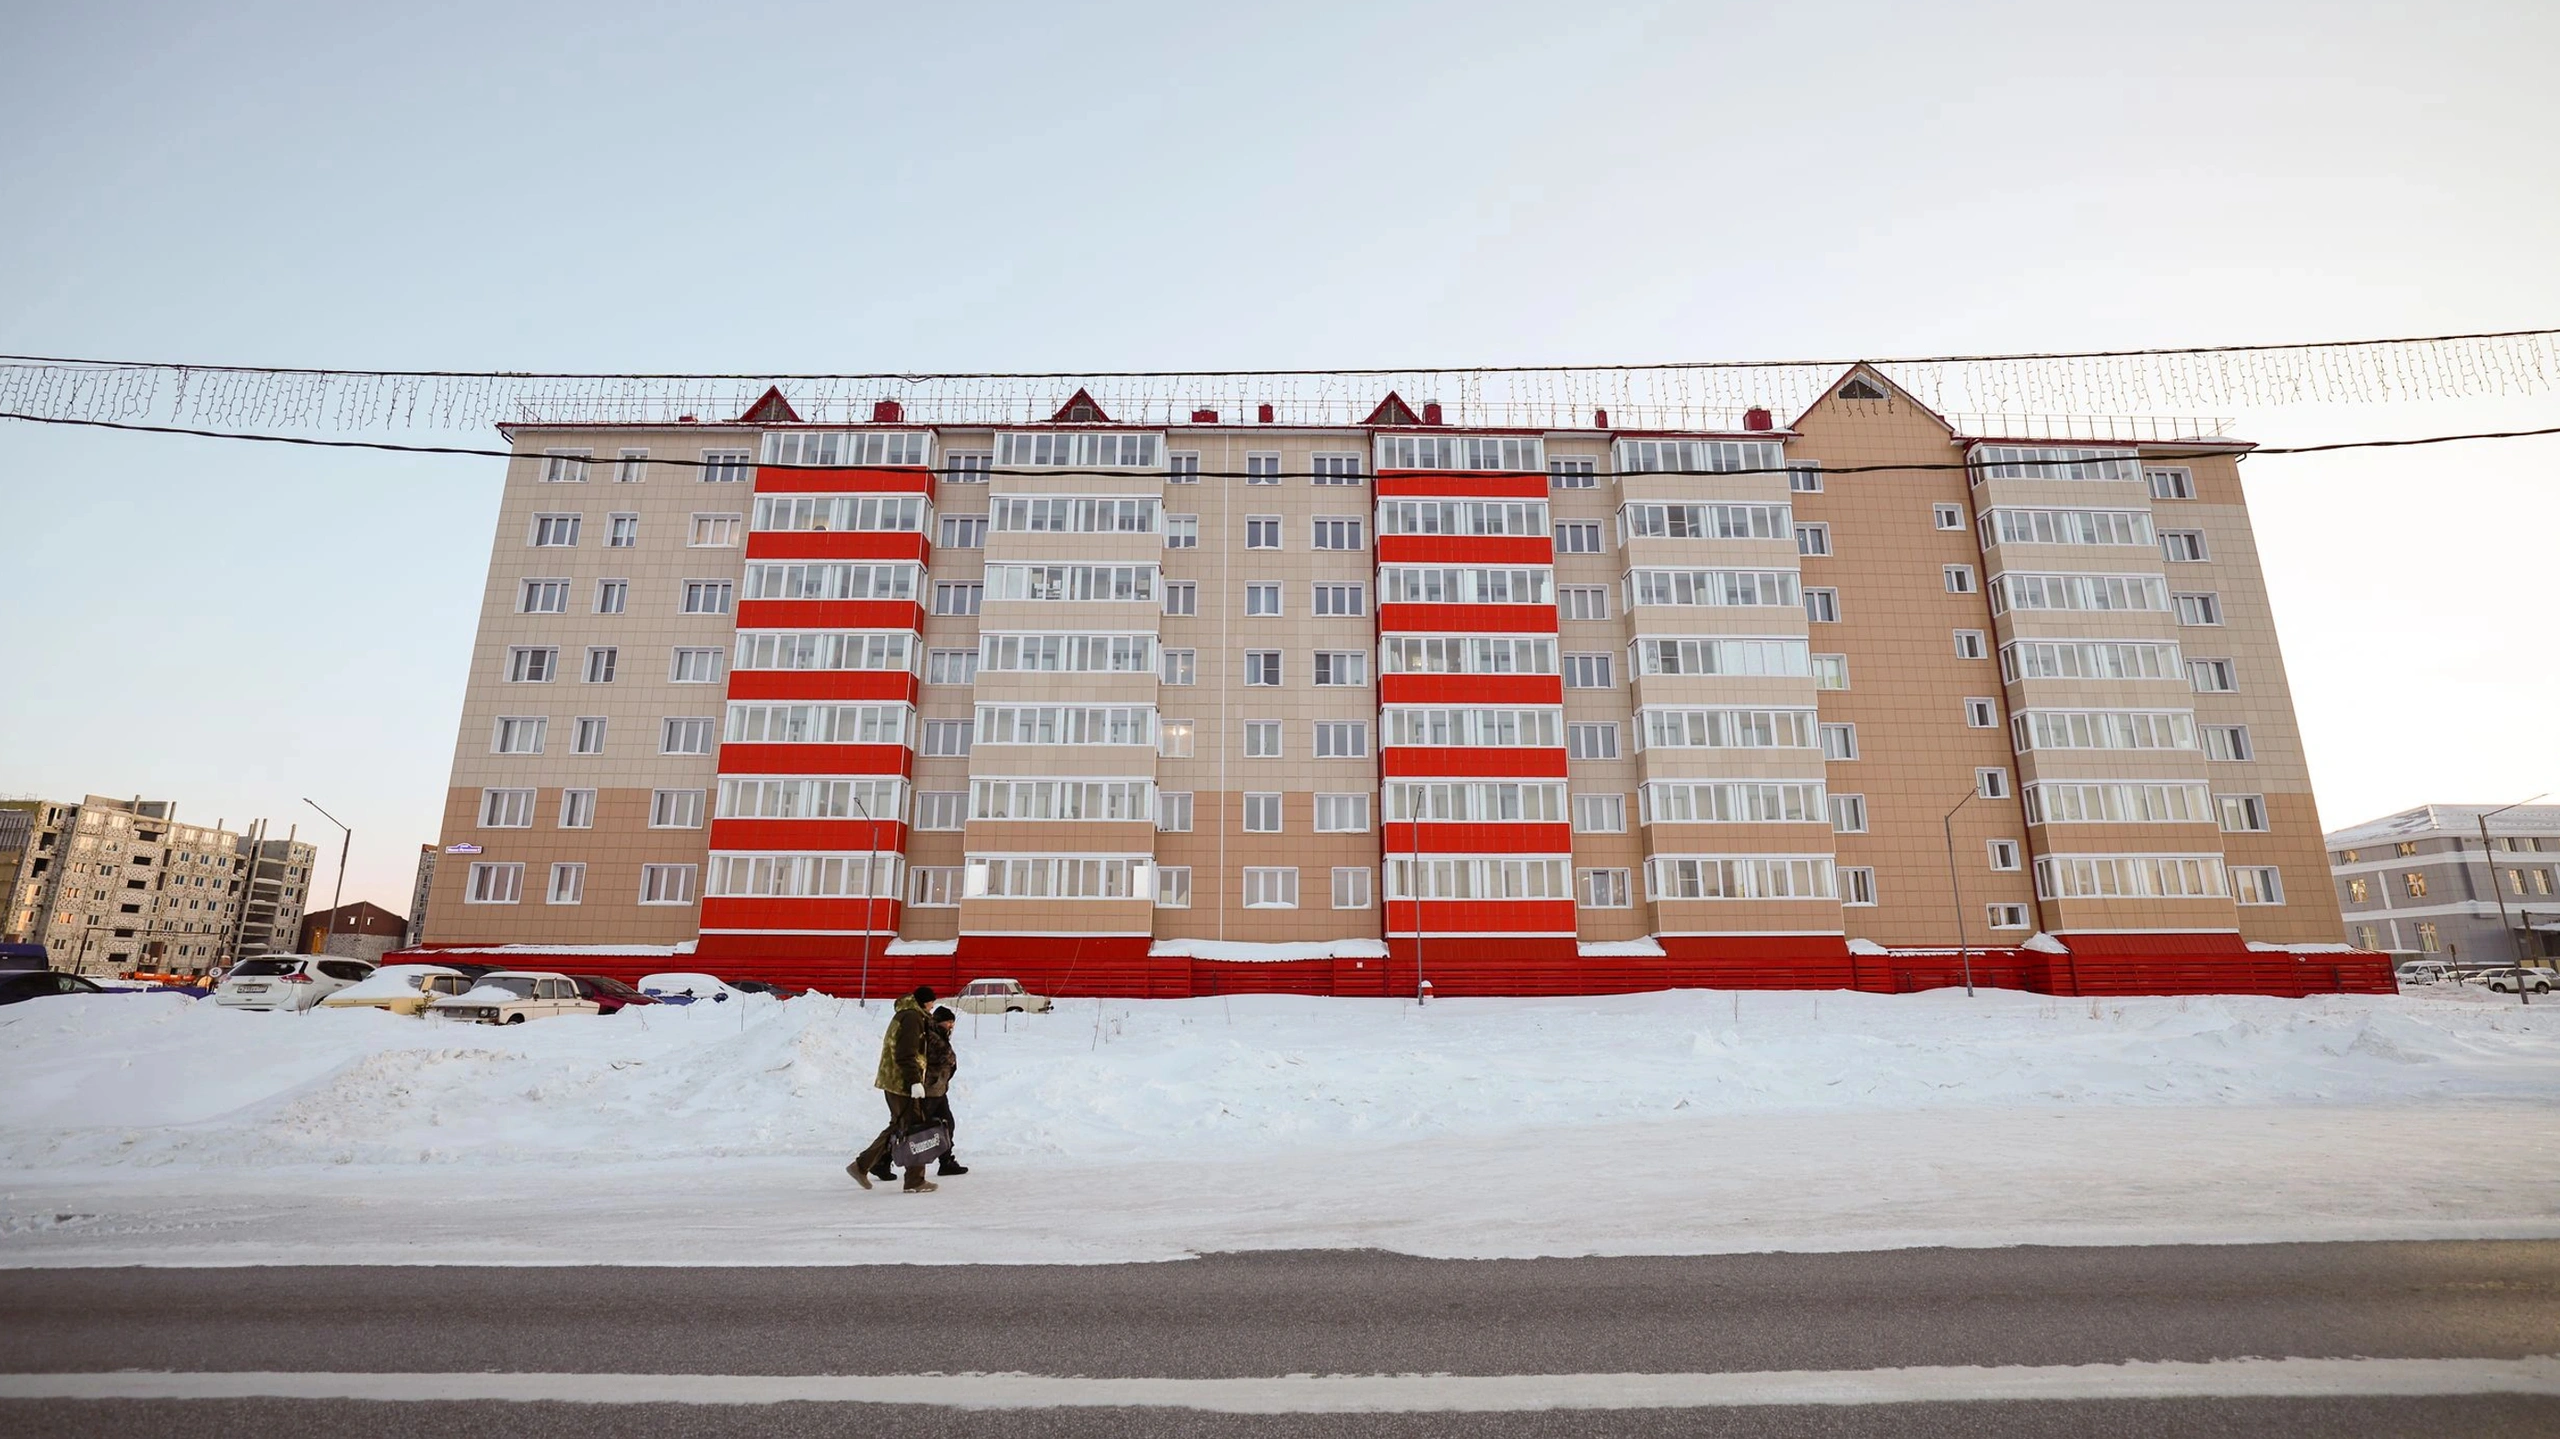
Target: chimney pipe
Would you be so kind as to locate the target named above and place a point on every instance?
(1756, 418)
(1431, 412)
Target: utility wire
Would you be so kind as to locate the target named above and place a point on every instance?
(917, 376)
(1920, 467)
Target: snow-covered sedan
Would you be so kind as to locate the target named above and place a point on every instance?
(401, 989)
(1000, 996)
(512, 996)
(679, 987)
(287, 981)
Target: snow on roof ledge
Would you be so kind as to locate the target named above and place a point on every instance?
(2302, 948)
(922, 946)
(1248, 952)
(2043, 943)
(1867, 946)
(1622, 949)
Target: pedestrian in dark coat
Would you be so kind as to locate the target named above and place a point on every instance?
(900, 1081)
(941, 1062)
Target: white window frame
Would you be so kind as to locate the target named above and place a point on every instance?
(494, 882)
(1354, 887)
(669, 885)
(1270, 887)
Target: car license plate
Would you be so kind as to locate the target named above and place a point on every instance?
(253, 989)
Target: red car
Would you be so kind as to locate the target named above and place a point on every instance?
(609, 995)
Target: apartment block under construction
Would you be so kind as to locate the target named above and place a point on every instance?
(1234, 703)
(112, 886)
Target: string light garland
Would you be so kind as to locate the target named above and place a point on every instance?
(1796, 468)
(1666, 395)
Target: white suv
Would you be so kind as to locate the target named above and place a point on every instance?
(287, 981)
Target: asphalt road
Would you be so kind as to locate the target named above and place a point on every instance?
(1328, 1312)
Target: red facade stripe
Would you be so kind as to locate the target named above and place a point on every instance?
(841, 686)
(838, 545)
(1461, 762)
(830, 615)
(837, 482)
(777, 912)
(1472, 838)
(1465, 550)
(1416, 619)
(816, 759)
(1538, 690)
(1444, 484)
(1483, 916)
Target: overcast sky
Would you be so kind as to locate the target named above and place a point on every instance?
(837, 187)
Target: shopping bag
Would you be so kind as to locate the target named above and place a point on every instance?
(914, 1148)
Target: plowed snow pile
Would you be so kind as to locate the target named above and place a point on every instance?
(1270, 1120)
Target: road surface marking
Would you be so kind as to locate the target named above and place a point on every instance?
(1367, 1393)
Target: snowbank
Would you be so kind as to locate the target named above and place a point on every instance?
(125, 1105)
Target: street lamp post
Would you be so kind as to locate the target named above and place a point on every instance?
(870, 883)
(1955, 890)
(2515, 945)
(329, 926)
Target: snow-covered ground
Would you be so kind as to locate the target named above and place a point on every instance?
(153, 1129)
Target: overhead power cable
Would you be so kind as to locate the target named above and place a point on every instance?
(2149, 454)
(911, 376)
(1665, 395)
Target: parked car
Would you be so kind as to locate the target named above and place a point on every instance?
(512, 996)
(999, 996)
(17, 956)
(402, 988)
(2425, 971)
(758, 986)
(24, 984)
(2511, 980)
(679, 987)
(287, 981)
(610, 995)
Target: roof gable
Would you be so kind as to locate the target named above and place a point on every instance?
(771, 409)
(1393, 411)
(1080, 409)
(1863, 383)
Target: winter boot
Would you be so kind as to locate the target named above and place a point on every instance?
(918, 1184)
(951, 1165)
(860, 1175)
(882, 1171)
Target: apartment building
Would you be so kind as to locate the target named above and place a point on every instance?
(109, 886)
(1087, 701)
(2421, 883)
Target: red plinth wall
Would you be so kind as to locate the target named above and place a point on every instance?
(1121, 966)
